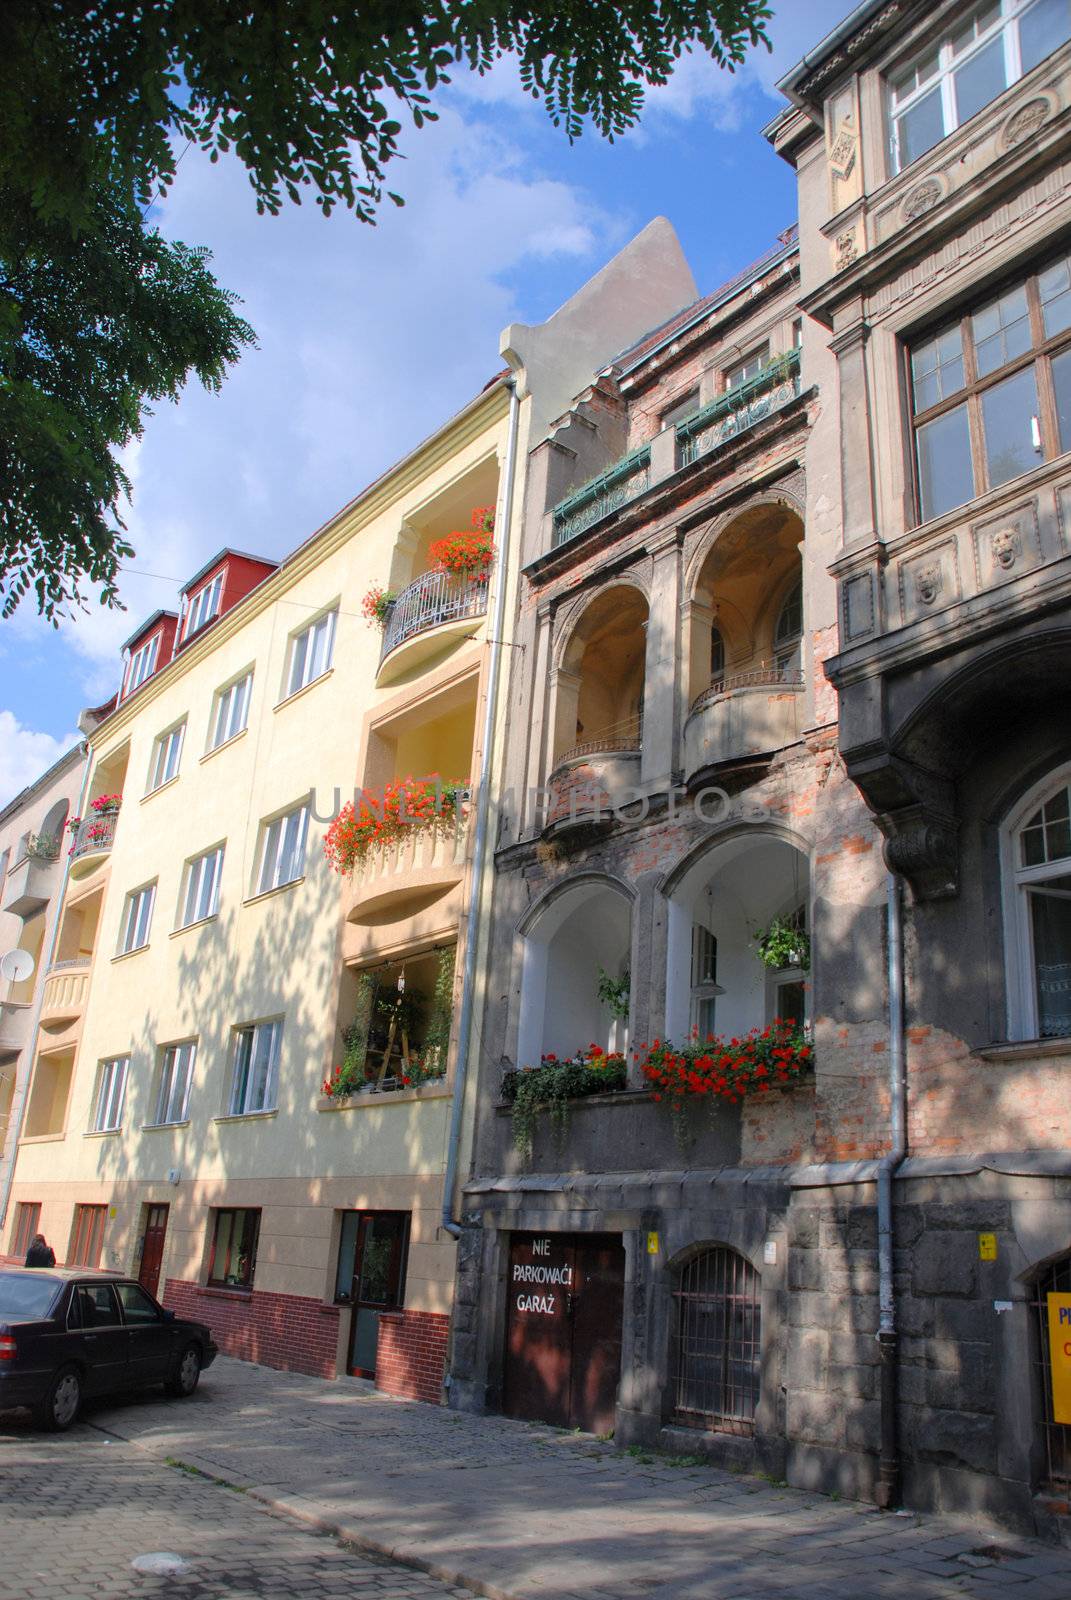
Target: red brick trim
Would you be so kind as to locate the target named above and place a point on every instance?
(287, 1331)
(411, 1356)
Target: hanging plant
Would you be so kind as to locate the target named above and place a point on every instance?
(375, 820)
(615, 992)
(468, 553)
(548, 1088)
(784, 943)
(376, 606)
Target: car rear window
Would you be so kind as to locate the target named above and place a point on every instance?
(25, 1296)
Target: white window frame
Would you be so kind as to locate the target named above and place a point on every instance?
(142, 664)
(1020, 973)
(177, 1063)
(282, 849)
(747, 367)
(199, 894)
(947, 66)
(111, 1095)
(137, 917)
(166, 756)
(203, 605)
(230, 710)
(256, 1045)
(703, 990)
(311, 646)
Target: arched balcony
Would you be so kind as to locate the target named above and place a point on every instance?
(580, 938)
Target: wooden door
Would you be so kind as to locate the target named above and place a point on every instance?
(152, 1247)
(563, 1329)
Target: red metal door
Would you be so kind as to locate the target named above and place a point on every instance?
(152, 1249)
(563, 1332)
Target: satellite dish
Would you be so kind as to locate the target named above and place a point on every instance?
(17, 965)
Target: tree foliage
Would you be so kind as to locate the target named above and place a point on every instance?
(98, 102)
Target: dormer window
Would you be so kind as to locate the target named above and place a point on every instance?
(143, 663)
(203, 606)
(946, 84)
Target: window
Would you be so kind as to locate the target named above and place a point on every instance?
(137, 917)
(748, 368)
(705, 986)
(230, 714)
(111, 1091)
(992, 391)
(681, 410)
(788, 634)
(717, 654)
(282, 858)
(200, 887)
(27, 1223)
(166, 755)
(1038, 891)
(311, 652)
(256, 1064)
(138, 1308)
(176, 1075)
(203, 606)
(87, 1238)
(93, 1305)
(142, 663)
(234, 1249)
(981, 54)
(717, 1343)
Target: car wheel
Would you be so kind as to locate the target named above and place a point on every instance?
(60, 1405)
(187, 1372)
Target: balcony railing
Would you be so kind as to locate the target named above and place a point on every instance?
(430, 600)
(95, 833)
(739, 409)
(759, 678)
(623, 482)
(618, 736)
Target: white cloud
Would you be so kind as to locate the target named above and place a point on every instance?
(24, 754)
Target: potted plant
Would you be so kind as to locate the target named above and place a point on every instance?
(714, 1069)
(550, 1087)
(614, 993)
(467, 554)
(378, 819)
(376, 606)
(106, 804)
(784, 943)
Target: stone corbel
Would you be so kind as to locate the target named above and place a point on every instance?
(916, 811)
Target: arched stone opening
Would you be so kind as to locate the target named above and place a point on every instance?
(598, 687)
(580, 934)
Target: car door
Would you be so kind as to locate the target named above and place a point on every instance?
(102, 1336)
(150, 1338)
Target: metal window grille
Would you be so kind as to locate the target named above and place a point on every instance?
(717, 1343)
(1057, 1435)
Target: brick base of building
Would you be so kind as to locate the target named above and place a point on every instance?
(286, 1331)
(411, 1355)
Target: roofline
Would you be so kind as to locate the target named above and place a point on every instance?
(789, 84)
(243, 555)
(150, 622)
(24, 795)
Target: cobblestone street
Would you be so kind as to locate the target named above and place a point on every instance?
(510, 1510)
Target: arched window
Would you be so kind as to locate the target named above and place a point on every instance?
(1037, 865)
(1057, 1435)
(717, 1343)
(788, 632)
(717, 655)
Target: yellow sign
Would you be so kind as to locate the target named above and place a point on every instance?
(1060, 1355)
(652, 1244)
(111, 1211)
(987, 1246)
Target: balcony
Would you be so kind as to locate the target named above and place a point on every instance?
(65, 990)
(609, 492)
(747, 714)
(14, 1026)
(29, 884)
(739, 409)
(436, 609)
(92, 842)
(595, 777)
(407, 889)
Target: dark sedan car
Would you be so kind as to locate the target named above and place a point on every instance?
(65, 1334)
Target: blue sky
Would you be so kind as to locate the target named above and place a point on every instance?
(370, 338)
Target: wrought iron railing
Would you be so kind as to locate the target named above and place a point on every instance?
(94, 833)
(618, 737)
(429, 600)
(774, 677)
(740, 408)
(608, 492)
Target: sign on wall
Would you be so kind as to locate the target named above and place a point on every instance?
(1060, 1355)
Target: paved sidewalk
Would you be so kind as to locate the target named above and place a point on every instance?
(519, 1511)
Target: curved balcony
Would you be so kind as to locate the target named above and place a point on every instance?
(747, 714)
(407, 889)
(594, 778)
(92, 842)
(64, 997)
(436, 609)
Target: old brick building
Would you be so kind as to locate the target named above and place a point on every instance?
(794, 617)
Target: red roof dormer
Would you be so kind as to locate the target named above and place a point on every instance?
(146, 651)
(226, 579)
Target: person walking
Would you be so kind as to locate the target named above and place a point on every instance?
(40, 1253)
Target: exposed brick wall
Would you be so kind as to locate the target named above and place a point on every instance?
(411, 1357)
(287, 1331)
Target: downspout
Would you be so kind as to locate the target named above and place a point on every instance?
(35, 1028)
(480, 851)
(888, 1490)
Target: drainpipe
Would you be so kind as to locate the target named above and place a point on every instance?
(888, 1491)
(481, 863)
(50, 956)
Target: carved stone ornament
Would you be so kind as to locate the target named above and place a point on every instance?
(1007, 547)
(842, 153)
(922, 198)
(847, 249)
(928, 582)
(1024, 123)
(925, 853)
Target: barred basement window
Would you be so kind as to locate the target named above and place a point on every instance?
(717, 1343)
(1056, 1435)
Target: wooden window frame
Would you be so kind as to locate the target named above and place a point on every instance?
(27, 1224)
(1043, 350)
(87, 1236)
(246, 1284)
